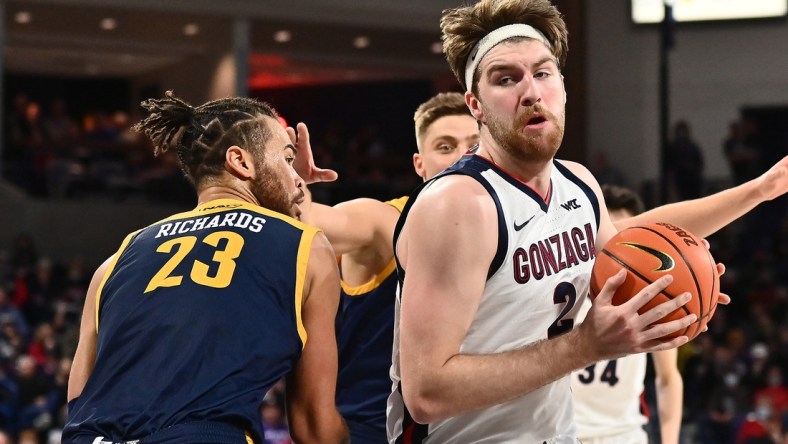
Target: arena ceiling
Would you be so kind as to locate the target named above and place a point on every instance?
(324, 39)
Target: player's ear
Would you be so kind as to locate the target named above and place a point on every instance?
(474, 106)
(563, 83)
(239, 162)
(418, 165)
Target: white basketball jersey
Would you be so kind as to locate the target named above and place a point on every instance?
(607, 394)
(537, 283)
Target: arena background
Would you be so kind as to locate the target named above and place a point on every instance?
(355, 72)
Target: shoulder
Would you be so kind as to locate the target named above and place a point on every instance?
(453, 207)
(322, 262)
(581, 173)
(320, 246)
(101, 271)
(578, 170)
(455, 195)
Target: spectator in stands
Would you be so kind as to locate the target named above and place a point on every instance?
(9, 400)
(685, 162)
(10, 315)
(23, 252)
(741, 153)
(35, 389)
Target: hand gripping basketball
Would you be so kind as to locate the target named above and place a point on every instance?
(651, 251)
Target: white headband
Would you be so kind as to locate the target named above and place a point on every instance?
(495, 37)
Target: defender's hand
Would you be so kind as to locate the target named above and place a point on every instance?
(305, 162)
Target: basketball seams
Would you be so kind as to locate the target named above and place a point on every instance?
(687, 263)
(648, 281)
(643, 278)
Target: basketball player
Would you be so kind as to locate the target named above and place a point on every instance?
(360, 231)
(495, 253)
(187, 326)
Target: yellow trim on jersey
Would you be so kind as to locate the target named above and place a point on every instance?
(371, 285)
(304, 248)
(358, 290)
(109, 270)
(219, 205)
(399, 204)
(249, 439)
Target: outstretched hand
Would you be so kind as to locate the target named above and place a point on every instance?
(304, 163)
(774, 183)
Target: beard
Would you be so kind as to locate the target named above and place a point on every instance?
(271, 192)
(534, 146)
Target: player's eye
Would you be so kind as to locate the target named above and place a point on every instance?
(505, 80)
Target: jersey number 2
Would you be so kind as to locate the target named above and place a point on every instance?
(199, 274)
(564, 293)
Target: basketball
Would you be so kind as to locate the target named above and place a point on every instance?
(650, 251)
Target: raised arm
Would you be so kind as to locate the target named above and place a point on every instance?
(85, 356)
(311, 408)
(446, 246)
(354, 225)
(707, 215)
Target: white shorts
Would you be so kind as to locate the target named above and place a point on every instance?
(637, 436)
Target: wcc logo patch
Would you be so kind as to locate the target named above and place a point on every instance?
(570, 205)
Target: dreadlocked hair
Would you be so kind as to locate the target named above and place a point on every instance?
(201, 135)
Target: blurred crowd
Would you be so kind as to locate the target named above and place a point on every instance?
(50, 153)
(734, 375)
(735, 388)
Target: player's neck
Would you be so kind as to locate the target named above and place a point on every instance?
(534, 174)
(215, 192)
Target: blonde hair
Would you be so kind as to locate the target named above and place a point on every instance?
(440, 105)
(462, 28)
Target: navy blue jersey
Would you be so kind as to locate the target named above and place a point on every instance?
(365, 329)
(197, 317)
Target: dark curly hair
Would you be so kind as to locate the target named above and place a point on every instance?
(201, 135)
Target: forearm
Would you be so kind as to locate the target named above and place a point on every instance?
(669, 405)
(706, 215)
(469, 382)
(327, 219)
(353, 225)
(329, 429)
